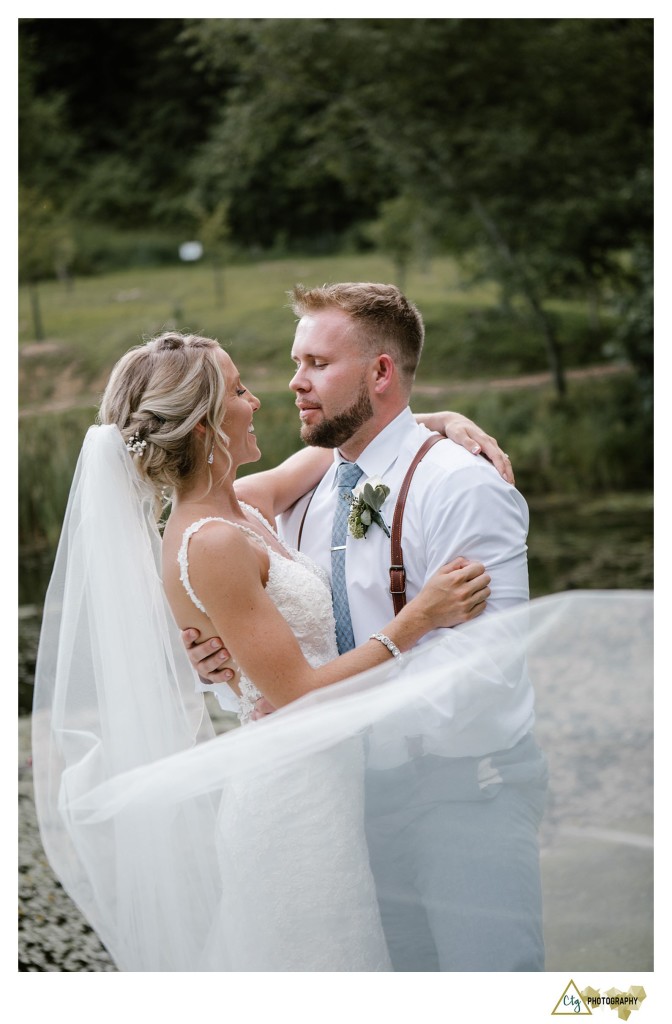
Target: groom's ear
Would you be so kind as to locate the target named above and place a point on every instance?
(385, 372)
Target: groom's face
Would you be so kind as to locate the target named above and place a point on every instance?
(331, 382)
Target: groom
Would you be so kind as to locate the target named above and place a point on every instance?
(477, 906)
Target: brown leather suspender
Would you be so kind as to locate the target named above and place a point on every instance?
(303, 518)
(397, 570)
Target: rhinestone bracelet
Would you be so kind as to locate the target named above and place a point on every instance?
(386, 642)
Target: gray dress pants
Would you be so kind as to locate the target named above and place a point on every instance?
(456, 862)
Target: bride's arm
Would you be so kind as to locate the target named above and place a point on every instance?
(275, 490)
(225, 571)
(468, 434)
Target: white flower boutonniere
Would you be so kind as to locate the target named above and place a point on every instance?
(366, 501)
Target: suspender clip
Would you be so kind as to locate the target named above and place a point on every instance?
(397, 579)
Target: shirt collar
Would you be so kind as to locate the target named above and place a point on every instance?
(380, 455)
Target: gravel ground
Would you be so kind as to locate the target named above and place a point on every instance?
(53, 935)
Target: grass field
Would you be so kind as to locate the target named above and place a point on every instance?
(482, 359)
(88, 326)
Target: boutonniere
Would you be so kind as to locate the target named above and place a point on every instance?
(366, 501)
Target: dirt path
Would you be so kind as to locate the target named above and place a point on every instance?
(525, 381)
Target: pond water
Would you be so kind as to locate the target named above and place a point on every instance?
(599, 543)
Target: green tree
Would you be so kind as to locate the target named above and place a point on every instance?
(214, 232)
(45, 247)
(48, 149)
(269, 153)
(525, 136)
(532, 134)
(403, 231)
(124, 106)
(529, 140)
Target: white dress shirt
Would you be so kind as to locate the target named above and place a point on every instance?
(458, 504)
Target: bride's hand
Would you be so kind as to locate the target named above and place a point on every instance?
(469, 435)
(456, 593)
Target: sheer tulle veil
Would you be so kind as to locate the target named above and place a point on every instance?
(134, 791)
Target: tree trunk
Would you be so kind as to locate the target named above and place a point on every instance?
(400, 274)
(36, 311)
(553, 351)
(594, 306)
(527, 290)
(64, 276)
(218, 276)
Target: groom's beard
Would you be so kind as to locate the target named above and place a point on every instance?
(339, 429)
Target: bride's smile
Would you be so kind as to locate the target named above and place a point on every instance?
(241, 405)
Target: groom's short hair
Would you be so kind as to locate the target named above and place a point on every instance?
(388, 321)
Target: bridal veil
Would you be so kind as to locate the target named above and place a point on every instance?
(157, 828)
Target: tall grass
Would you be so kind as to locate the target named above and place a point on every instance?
(48, 450)
(596, 442)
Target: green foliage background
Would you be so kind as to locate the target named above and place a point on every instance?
(499, 170)
(589, 451)
(521, 147)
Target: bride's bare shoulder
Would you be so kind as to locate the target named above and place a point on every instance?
(208, 534)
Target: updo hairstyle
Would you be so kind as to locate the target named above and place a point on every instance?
(160, 391)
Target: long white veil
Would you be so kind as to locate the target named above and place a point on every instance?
(113, 690)
(134, 792)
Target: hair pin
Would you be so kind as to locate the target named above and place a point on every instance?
(135, 444)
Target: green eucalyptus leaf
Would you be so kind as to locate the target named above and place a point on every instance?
(368, 494)
(379, 496)
(378, 519)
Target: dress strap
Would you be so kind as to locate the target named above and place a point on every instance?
(183, 554)
(264, 521)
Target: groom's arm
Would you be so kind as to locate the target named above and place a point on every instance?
(475, 514)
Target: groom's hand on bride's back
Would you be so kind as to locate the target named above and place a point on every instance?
(210, 658)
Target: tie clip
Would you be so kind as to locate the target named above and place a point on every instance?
(339, 547)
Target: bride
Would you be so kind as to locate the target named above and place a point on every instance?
(190, 856)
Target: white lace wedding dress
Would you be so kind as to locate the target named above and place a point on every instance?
(298, 588)
(276, 864)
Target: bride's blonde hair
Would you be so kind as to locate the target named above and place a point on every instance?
(157, 393)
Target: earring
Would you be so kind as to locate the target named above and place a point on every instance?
(211, 456)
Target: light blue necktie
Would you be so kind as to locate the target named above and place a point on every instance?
(347, 475)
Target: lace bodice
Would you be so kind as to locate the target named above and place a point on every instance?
(299, 589)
